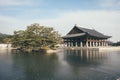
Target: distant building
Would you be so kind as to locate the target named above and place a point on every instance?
(83, 37)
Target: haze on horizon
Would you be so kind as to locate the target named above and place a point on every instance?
(101, 15)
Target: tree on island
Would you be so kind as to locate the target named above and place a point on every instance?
(36, 37)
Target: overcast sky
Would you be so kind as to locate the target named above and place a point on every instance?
(101, 15)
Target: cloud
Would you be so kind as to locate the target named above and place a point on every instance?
(14, 2)
(106, 22)
(10, 24)
(110, 4)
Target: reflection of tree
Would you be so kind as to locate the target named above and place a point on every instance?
(36, 66)
(84, 56)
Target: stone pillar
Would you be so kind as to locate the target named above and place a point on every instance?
(86, 43)
(67, 44)
(81, 44)
(76, 44)
(90, 43)
(96, 44)
(93, 44)
(102, 43)
(99, 44)
(106, 43)
(71, 44)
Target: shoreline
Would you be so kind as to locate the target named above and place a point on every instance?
(111, 48)
(108, 48)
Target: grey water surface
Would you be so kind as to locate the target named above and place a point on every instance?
(64, 65)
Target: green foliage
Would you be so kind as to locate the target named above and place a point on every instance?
(4, 38)
(36, 37)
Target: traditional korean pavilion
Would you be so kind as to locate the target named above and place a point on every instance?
(83, 37)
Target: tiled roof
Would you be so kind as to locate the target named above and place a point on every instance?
(93, 32)
(74, 35)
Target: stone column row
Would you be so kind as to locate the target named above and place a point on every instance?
(87, 44)
(96, 44)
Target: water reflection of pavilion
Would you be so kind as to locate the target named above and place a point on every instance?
(85, 56)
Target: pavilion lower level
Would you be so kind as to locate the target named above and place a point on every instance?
(86, 43)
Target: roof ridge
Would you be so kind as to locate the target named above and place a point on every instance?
(84, 28)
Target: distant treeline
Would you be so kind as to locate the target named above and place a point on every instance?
(114, 44)
(5, 38)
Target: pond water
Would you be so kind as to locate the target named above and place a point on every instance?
(63, 65)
